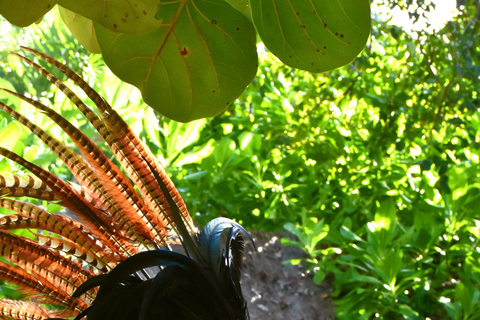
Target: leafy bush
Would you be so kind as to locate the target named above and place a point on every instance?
(374, 167)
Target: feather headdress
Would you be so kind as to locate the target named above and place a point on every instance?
(111, 256)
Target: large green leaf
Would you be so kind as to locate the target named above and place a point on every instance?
(125, 16)
(23, 13)
(315, 35)
(81, 28)
(243, 6)
(192, 67)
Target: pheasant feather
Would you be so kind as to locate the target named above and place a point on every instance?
(108, 254)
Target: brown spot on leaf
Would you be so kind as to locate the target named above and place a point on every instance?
(214, 21)
(237, 28)
(314, 12)
(126, 14)
(124, 20)
(144, 12)
(213, 91)
(318, 50)
(298, 14)
(48, 6)
(341, 35)
(114, 25)
(313, 63)
(184, 52)
(324, 25)
(324, 47)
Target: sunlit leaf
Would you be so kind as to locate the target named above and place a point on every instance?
(386, 217)
(81, 28)
(319, 232)
(196, 156)
(129, 16)
(6, 97)
(23, 13)
(390, 266)
(290, 227)
(9, 135)
(317, 35)
(31, 153)
(194, 66)
(347, 233)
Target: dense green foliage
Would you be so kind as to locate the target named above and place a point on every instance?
(192, 58)
(374, 166)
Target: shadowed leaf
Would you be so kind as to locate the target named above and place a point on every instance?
(23, 13)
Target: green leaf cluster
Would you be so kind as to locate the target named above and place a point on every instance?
(193, 58)
(374, 167)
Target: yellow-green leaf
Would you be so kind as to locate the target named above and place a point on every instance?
(81, 28)
(9, 135)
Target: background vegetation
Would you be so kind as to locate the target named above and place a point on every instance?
(374, 166)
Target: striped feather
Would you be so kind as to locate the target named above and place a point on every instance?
(122, 138)
(38, 218)
(107, 172)
(96, 221)
(35, 284)
(67, 283)
(135, 227)
(22, 310)
(26, 186)
(71, 248)
(82, 193)
(109, 216)
(29, 251)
